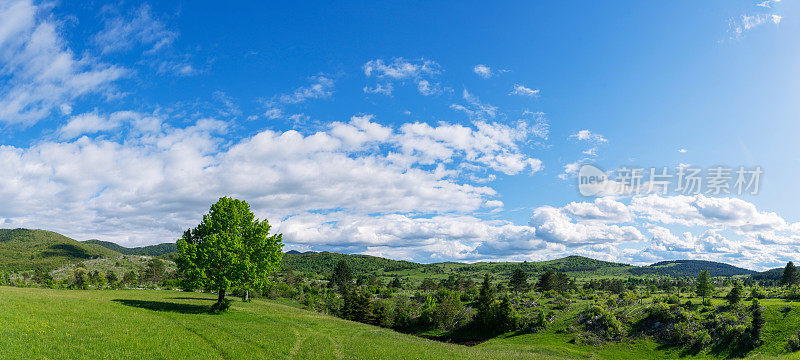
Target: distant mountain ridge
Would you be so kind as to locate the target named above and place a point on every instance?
(25, 249)
(150, 250)
(678, 268)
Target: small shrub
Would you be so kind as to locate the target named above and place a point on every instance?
(793, 343)
(603, 322)
(672, 299)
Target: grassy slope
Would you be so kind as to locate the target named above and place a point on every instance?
(63, 324)
(23, 249)
(119, 265)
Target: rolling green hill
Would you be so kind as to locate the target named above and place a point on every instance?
(323, 262)
(150, 250)
(691, 268)
(574, 266)
(25, 249)
(769, 275)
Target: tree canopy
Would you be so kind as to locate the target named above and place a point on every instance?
(230, 248)
(703, 286)
(519, 280)
(790, 275)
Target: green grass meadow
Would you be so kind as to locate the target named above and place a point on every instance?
(133, 324)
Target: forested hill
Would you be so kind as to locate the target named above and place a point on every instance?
(25, 249)
(678, 268)
(769, 275)
(323, 262)
(150, 250)
(574, 266)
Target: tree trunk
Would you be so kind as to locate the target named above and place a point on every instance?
(221, 298)
(246, 296)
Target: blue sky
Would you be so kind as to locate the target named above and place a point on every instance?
(423, 131)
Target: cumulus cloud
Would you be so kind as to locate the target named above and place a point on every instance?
(699, 210)
(144, 187)
(41, 72)
(554, 225)
(88, 123)
(493, 145)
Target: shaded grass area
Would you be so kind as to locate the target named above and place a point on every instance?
(164, 306)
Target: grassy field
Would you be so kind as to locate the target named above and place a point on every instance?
(141, 324)
(64, 324)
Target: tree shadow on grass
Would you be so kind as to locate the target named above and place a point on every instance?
(191, 298)
(164, 306)
(66, 250)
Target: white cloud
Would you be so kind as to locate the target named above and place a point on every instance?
(87, 123)
(41, 72)
(155, 180)
(383, 89)
(483, 71)
(489, 144)
(321, 87)
(603, 209)
(177, 67)
(588, 136)
(524, 91)
(421, 72)
(683, 151)
(699, 210)
(738, 27)
(474, 108)
(426, 88)
(400, 68)
(140, 27)
(553, 225)
(571, 169)
(768, 3)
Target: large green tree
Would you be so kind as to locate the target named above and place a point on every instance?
(790, 275)
(342, 274)
(703, 285)
(518, 281)
(735, 296)
(230, 248)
